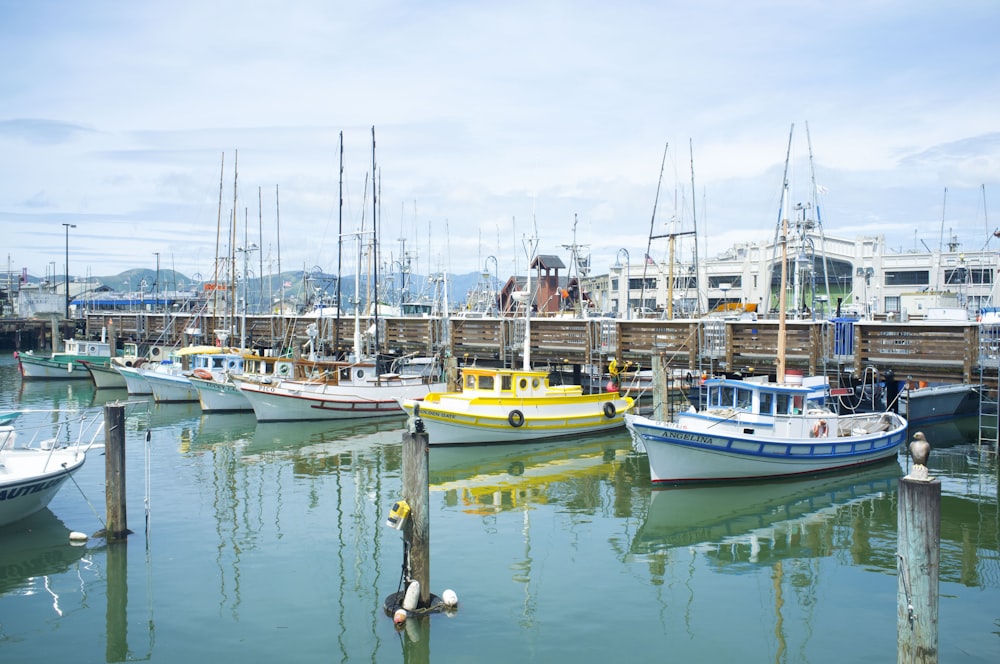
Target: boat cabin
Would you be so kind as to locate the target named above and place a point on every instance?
(512, 383)
(768, 399)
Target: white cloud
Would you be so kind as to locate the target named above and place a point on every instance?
(486, 117)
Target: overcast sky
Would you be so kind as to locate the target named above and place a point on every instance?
(489, 117)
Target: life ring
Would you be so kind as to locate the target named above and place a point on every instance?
(204, 374)
(516, 418)
(613, 367)
(819, 429)
(609, 410)
(283, 369)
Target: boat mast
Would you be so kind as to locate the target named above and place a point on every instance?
(375, 202)
(781, 229)
(649, 241)
(779, 360)
(218, 237)
(694, 224)
(529, 243)
(340, 245)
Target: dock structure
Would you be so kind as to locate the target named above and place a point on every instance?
(929, 351)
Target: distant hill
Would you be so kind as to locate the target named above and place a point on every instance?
(296, 283)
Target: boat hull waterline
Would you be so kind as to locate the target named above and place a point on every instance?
(30, 478)
(678, 455)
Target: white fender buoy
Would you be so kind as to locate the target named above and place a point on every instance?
(399, 617)
(449, 598)
(412, 596)
(77, 537)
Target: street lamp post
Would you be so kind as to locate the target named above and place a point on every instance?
(67, 227)
(618, 266)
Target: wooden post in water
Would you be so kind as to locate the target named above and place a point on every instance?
(451, 373)
(416, 492)
(660, 393)
(114, 472)
(918, 561)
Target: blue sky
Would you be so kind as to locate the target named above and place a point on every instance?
(489, 117)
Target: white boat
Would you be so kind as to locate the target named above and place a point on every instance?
(31, 475)
(218, 392)
(170, 381)
(135, 381)
(933, 403)
(757, 429)
(334, 390)
(105, 376)
(65, 364)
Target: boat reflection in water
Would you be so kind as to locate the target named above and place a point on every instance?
(761, 522)
(35, 548)
(499, 477)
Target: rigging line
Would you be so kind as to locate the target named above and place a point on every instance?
(778, 229)
(147, 479)
(649, 240)
(89, 504)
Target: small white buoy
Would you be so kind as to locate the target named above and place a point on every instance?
(77, 538)
(449, 598)
(412, 596)
(399, 617)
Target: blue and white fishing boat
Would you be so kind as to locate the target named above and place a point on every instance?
(756, 430)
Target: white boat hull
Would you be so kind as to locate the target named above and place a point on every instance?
(679, 454)
(168, 388)
(135, 382)
(288, 401)
(220, 397)
(106, 378)
(30, 478)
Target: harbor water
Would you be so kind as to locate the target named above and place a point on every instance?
(268, 542)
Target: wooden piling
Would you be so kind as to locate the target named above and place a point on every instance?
(114, 472)
(416, 492)
(661, 394)
(451, 373)
(918, 567)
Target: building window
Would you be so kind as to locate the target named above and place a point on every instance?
(907, 278)
(962, 275)
(892, 303)
(734, 281)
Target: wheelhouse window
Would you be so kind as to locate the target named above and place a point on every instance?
(744, 399)
(766, 403)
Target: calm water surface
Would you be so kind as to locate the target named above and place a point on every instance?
(263, 543)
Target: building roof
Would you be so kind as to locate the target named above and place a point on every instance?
(548, 262)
